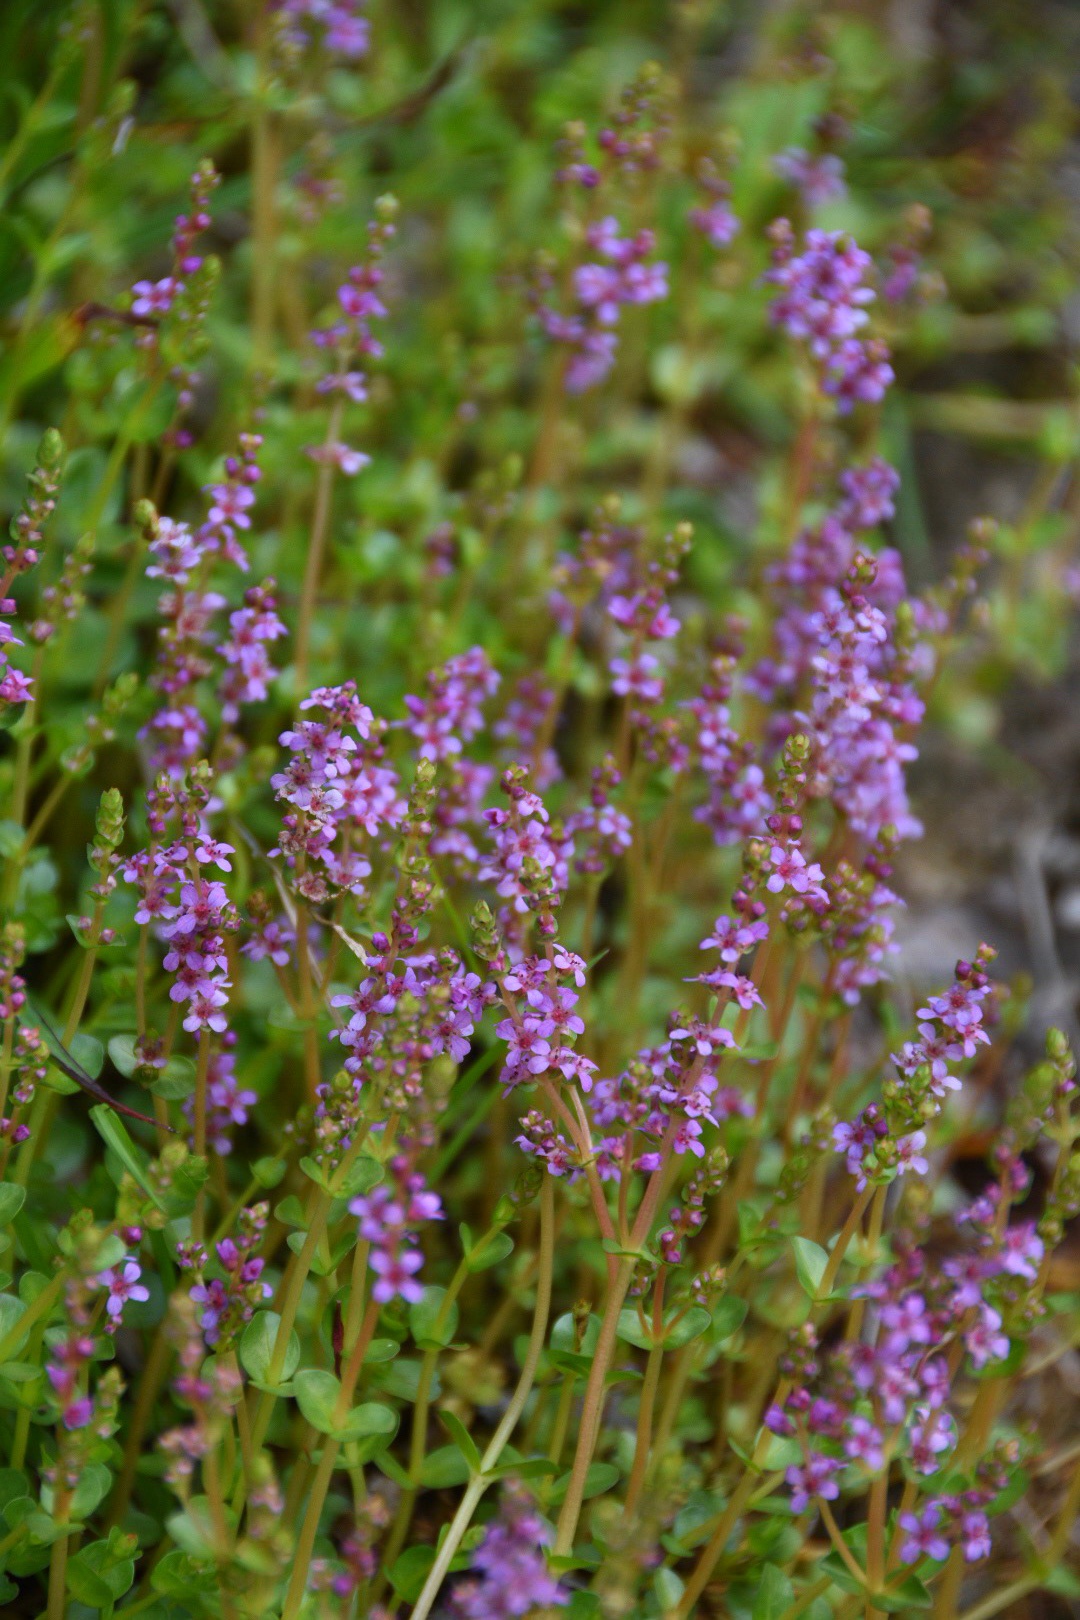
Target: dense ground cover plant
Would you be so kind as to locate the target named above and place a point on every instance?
(456, 852)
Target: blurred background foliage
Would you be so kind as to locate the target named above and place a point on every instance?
(964, 111)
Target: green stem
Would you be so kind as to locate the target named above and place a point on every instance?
(418, 1443)
(198, 1219)
(643, 1438)
(290, 1304)
(320, 523)
(592, 1409)
(711, 1554)
(477, 1486)
(320, 1485)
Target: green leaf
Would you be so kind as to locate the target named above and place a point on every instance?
(582, 1606)
(115, 1136)
(699, 1514)
(291, 1212)
(12, 1199)
(564, 1353)
(389, 1465)
(317, 1395)
(446, 1466)
(600, 1477)
(380, 1350)
(12, 835)
(525, 1468)
(178, 1575)
(122, 1054)
(194, 1530)
(759, 1051)
(19, 1510)
(631, 1331)
(97, 1568)
(782, 1451)
(88, 1051)
(370, 1419)
(110, 1252)
(95, 1483)
(401, 1378)
(315, 1172)
(360, 1177)
(86, 1585)
(13, 1483)
(268, 1172)
(175, 1081)
(728, 1316)
(497, 1247)
(669, 1588)
(460, 1433)
(911, 1594)
(424, 1323)
(834, 1567)
(774, 1594)
(187, 1178)
(689, 1327)
(257, 1347)
(11, 1309)
(810, 1263)
(410, 1571)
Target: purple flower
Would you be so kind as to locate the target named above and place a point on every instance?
(814, 1477)
(621, 274)
(123, 1283)
(344, 32)
(863, 1443)
(820, 179)
(395, 1273)
(909, 1154)
(868, 494)
(790, 870)
(924, 1537)
(1022, 1251)
(975, 1535)
(821, 303)
(717, 222)
(515, 1579)
(155, 297)
(984, 1340)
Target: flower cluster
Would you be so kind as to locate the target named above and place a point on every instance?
(252, 628)
(190, 911)
(621, 273)
(226, 1302)
(338, 25)
(24, 553)
(228, 1103)
(182, 559)
(388, 1216)
(510, 1560)
(714, 218)
(822, 303)
(819, 177)
(882, 1142)
(855, 1406)
(152, 299)
(349, 339)
(338, 791)
(530, 861)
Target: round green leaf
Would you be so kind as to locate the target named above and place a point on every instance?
(257, 1347)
